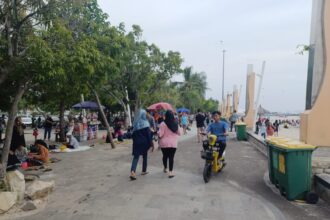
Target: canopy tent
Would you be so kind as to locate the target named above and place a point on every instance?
(183, 109)
(262, 111)
(86, 105)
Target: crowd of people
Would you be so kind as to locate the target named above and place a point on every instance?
(265, 127)
(149, 126)
(36, 154)
(167, 128)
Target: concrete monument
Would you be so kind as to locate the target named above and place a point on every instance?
(249, 102)
(315, 121)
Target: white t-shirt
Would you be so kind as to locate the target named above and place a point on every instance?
(73, 142)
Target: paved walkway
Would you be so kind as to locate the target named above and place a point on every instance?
(95, 185)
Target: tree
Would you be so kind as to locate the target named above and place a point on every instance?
(24, 56)
(141, 69)
(192, 89)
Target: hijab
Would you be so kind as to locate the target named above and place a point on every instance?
(141, 120)
(171, 122)
(19, 126)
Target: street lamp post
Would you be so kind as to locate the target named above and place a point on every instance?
(223, 75)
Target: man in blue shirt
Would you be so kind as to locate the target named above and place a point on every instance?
(220, 129)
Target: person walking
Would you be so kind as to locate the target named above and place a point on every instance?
(168, 141)
(184, 122)
(48, 127)
(200, 124)
(233, 119)
(142, 142)
(276, 126)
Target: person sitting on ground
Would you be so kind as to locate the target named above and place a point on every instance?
(73, 143)
(119, 133)
(42, 156)
(21, 153)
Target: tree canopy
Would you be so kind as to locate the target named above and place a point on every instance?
(52, 51)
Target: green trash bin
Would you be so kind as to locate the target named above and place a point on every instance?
(273, 165)
(292, 169)
(241, 131)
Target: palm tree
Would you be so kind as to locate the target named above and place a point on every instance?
(193, 88)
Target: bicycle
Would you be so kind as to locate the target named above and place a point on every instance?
(210, 154)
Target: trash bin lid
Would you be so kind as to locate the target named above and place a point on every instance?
(295, 145)
(277, 140)
(240, 123)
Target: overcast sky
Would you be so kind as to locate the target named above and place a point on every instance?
(251, 31)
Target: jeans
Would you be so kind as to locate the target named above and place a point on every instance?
(222, 148)
(232, 124)
(168, 154)
(47, 131)
(136, 160)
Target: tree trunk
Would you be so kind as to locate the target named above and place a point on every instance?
(9, 131)
(103, 117)
(62, 131)
(3, 76)
(128, 121)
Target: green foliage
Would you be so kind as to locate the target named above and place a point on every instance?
(66, 44)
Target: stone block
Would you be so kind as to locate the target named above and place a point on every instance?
(28, 206)
(318, 171)
(7, 200)
(16, 182)
(39, 189)
(322, 186)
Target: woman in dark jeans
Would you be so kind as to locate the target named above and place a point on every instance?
(142, 141)
(168, 140)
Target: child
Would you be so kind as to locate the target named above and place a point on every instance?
(119, 133)
(270, 130)
(35, 133)
(21, 153)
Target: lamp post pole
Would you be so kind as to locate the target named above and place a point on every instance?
(223, 75)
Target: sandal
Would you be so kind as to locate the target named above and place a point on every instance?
(171, 175)
(132, 177)
(165, 171)
(144, 173)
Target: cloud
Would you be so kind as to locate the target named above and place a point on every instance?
(252, 31)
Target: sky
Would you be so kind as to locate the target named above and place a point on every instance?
(251, 31)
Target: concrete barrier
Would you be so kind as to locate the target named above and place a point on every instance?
(258, 142)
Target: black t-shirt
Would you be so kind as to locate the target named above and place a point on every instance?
(200, 120)
(49, 122)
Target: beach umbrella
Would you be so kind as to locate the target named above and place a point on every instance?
(181, 110)
(86, 105)
(161, 106)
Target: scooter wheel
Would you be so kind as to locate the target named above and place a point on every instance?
(207, 172)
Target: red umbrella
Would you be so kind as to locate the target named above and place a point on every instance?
(161, 106)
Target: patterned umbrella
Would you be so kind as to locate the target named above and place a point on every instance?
(161, 106)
